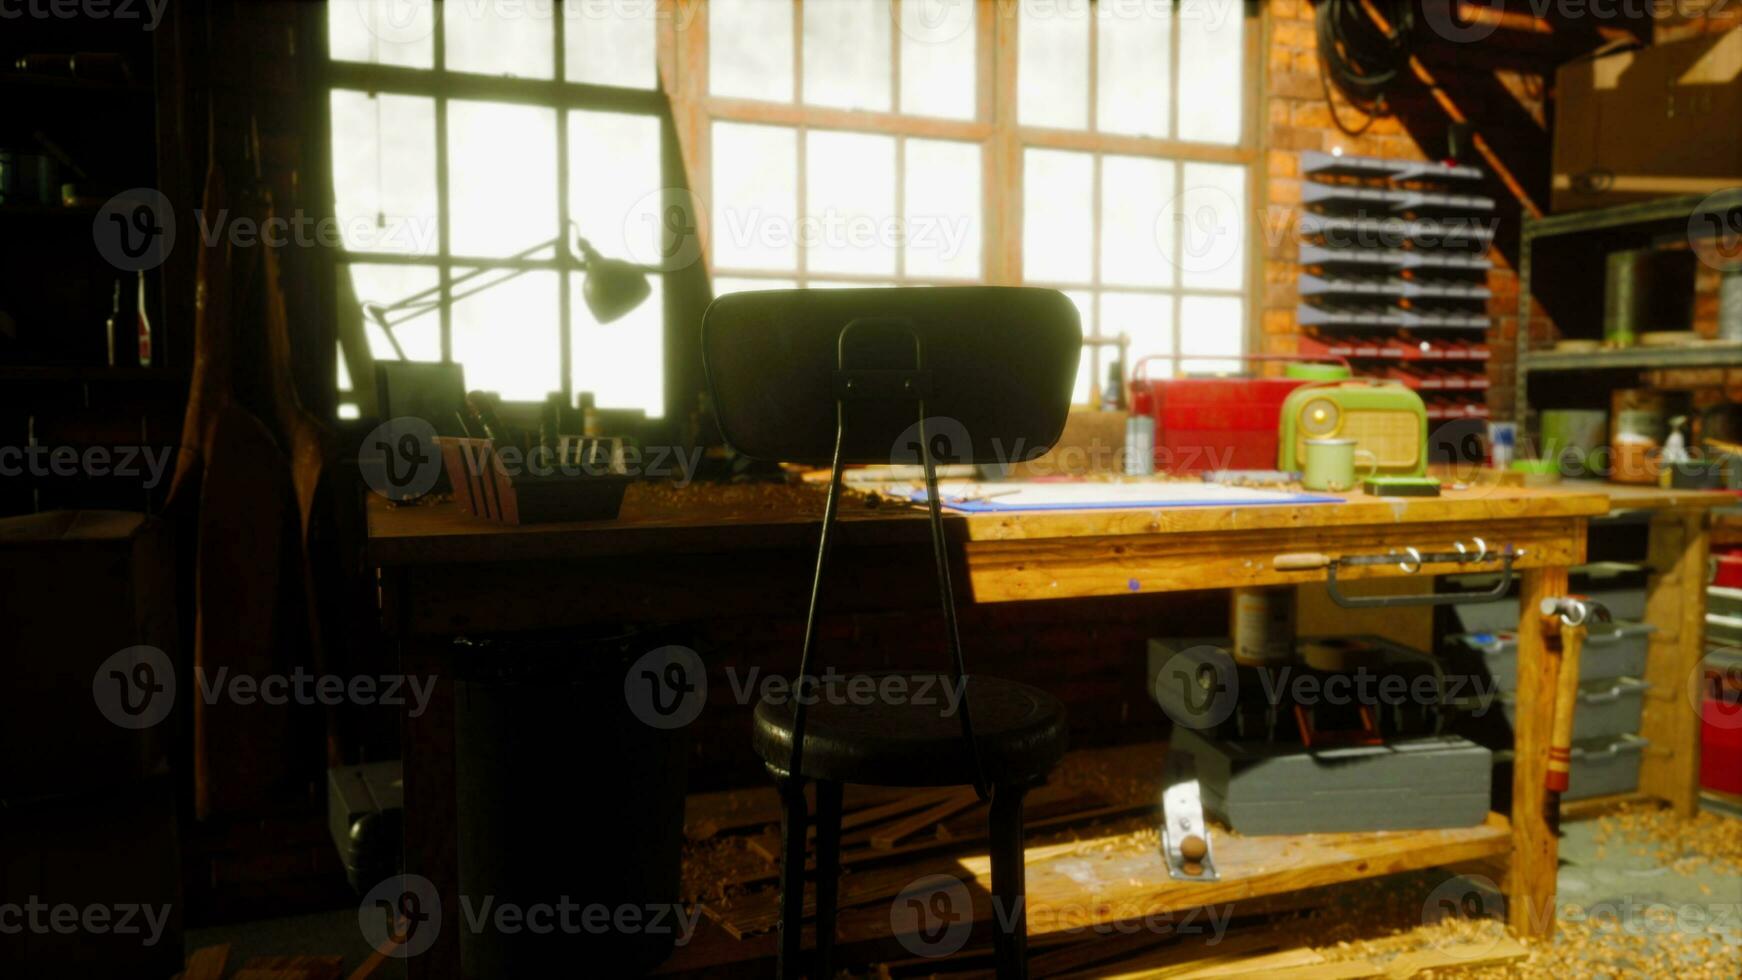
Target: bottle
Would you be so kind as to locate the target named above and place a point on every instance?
(114, 323)
(144, 326)
(1113, 396)
(589, 415)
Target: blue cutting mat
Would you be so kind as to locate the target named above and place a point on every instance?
(982, 498)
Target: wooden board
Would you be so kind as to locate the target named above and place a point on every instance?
(1676, 606)
(1078, 885)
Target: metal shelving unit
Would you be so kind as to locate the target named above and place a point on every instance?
(1640, 358)
(1642, 221)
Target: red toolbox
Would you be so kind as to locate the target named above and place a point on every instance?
(1216, 423)
(1721, 742)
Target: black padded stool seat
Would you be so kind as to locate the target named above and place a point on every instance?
(853, 734)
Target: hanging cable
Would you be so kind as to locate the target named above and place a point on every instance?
(1364, 46)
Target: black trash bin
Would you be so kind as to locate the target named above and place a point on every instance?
(570, 808)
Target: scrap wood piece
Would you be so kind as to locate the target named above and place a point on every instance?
(709, 814)
(1264, 965)
(206, 963)
(292, 968)
(1466, 954)
(1095, 950)
(854, 829)
(368, 967)
(895, 808)
(886, 837)
(862, 856)
(1184, 957)
(1461, 955)
(1334, 970)
(761, 912)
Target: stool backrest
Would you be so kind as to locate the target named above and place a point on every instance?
(998, 363)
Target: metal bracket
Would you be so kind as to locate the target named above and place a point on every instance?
(1411, 562)
(1185, 837)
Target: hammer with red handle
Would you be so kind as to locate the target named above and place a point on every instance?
(1570, 616)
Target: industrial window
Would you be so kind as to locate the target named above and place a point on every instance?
(466, 139)
(1105, 149)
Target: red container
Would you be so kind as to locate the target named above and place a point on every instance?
(1721, 743)
(1223, 423)
(1727, 570)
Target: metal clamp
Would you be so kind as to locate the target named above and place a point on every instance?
(1575, 610)
(1411, 562)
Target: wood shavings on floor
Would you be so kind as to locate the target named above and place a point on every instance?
(1689, 845)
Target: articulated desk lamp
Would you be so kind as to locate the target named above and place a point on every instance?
(611, 288)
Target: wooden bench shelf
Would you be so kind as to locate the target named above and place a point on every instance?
(1077, 885)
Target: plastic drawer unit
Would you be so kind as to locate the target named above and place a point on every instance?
(1611, 650)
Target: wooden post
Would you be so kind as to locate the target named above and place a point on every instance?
(1530, 887)
(1676, 605)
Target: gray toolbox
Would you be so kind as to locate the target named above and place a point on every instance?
(1268, 788)
(1619, 586)
(1611, 650)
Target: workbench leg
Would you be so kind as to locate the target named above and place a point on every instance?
(1676, 605)
(1530, 890)
(431, 826)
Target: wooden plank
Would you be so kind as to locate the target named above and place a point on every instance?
(707, 814)
(1459, 957)
(1531, 883)
(959, 838)
(1676, 605)
(1186, 956)
(207, 963)
(1267, 964)
(1126, 880)
(292, 968)
(369, 967)
(886, 837)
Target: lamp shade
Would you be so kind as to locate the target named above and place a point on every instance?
(612, 287)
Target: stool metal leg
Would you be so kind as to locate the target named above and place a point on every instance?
(828, 873)
(793, 825)
(1009, 889)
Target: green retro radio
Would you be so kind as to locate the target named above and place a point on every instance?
(1384, 418)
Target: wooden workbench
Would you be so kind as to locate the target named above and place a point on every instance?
(676, 555)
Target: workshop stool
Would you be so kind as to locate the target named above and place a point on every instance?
(796, 372)
(1020, 732)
